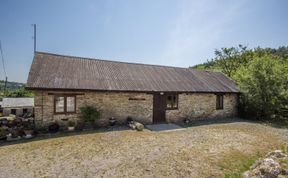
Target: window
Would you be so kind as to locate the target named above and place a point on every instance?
(219, 101)
(25, 111)
(13, 111)
(59, 104)
(172, 102)
(64, 104)
(70, 103)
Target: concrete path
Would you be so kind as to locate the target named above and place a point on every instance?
(163, 127)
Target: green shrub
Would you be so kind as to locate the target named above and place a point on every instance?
(71, 123)
(263, 84)
(89, 113)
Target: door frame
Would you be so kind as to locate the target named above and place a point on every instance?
(159, 108)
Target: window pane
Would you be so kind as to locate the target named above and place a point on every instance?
(219, 101)
(171, 102)
(59, 104)
(13, 111)
(169, 98)
(168, 102)
(169, 105)
(175, 102)
(70, 104)
(25, 111)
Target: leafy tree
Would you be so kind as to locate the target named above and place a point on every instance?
(264, 85)
(261, 74)
(230, 59)
(282, 51)
(20, 92)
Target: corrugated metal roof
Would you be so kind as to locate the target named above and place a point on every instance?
(52, 71)
(17, 102)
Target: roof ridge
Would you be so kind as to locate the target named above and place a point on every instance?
(105, 60)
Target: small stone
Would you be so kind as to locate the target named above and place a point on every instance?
(246, 174)
(276, 154)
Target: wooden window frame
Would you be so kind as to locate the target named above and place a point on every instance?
(219, 101)
(65, 104)
(177, 99)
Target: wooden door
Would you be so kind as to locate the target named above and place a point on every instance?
(159, 108)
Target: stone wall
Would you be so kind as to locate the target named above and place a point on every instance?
(19, 110)
(136, 105)
(111, 104)
(202, 106)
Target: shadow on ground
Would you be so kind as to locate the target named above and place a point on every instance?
(157, 128)
(163, 127)
(195, 123)
(46, 136)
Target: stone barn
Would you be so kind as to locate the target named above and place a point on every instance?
(17, 106)
(147, 93)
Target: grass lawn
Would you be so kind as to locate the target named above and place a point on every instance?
(217, 150)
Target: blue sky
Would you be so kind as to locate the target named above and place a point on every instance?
(166, 32)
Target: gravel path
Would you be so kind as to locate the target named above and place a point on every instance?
(192, 152)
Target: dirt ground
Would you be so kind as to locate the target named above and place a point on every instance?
(202, 151)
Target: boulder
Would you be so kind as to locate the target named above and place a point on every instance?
(132, 125)
(268, 167)
(136, 125)
(139, 126)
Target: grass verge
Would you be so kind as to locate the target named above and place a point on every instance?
(236, 162)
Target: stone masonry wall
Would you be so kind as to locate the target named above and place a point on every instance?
(111, 104)
(202, 106)
(139, 107)
(19, 110)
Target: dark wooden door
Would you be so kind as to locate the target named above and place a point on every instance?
(159, 106)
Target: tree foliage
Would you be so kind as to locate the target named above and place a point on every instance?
(264, 85)
(261, 74)
(20, 92)
(230, 59)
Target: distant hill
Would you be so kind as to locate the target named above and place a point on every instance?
(10, 85)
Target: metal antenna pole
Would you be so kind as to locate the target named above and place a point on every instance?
(5, 86)
(34, 37)
(2, 56)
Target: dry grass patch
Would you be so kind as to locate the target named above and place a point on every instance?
(212, 150)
